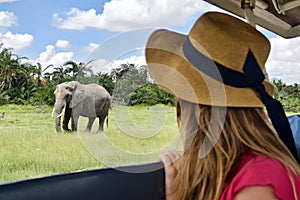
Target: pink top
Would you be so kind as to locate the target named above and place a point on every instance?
(262, 170)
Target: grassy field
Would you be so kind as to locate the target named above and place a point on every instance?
(30, 146)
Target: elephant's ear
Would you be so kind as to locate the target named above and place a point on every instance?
(78, 96)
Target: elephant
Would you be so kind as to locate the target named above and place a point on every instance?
(76, 99)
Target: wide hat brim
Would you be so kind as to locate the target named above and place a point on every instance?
(172, 71)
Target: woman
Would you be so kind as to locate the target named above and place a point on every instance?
(233, 149)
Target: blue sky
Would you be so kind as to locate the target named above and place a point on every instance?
(55, 31)
(35, 18)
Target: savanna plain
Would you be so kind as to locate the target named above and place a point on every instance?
(31, 148)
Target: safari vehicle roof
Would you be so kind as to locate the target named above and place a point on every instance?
(279, 16)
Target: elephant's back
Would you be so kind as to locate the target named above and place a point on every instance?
(100, 91)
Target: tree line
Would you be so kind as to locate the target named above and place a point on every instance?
(24, 83)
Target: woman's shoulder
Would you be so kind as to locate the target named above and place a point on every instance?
(256, 163)
(256, 169)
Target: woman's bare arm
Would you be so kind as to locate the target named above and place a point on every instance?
(259, 192)
(169, 160)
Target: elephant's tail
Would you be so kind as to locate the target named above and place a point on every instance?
(107, 107)
(107, 120)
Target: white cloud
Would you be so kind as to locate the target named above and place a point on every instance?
(63, 44)
(7, 19)
(105, 66)
(91, 47)
(15, 41)
(138, 60)
(7, 1)
(101, 66)
(77, 20)
(51, 56)
(122, 15)
(283, 62)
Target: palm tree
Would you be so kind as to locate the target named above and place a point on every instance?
(11, 71)
(59, 73)
(74, 69)
(80, 69)
(119, 72)
(37, 74)
(85, 70)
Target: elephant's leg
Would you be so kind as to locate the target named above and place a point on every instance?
(74, 121)
(90, 124)
(67, 117)
(102, 108)
(101, 123)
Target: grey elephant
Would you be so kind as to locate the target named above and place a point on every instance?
(90, 101)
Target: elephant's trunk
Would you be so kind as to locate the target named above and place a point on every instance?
(57, 124)
(58, 110)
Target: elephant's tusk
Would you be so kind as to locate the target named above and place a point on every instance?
(59, 115)
(53, 112)
(62, 112)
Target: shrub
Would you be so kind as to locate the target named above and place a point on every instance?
(288, 95)
(151, 94)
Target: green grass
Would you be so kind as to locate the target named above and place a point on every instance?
(30, 146)
(135, 135)
(291, 113)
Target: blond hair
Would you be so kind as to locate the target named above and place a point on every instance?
(224, 134)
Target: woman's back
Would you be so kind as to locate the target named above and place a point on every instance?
(259, 170)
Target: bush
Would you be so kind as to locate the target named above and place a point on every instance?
(151, 94)
(288, 95)
(44, 96)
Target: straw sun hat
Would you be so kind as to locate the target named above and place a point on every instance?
(192, 66)
(220, 63)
